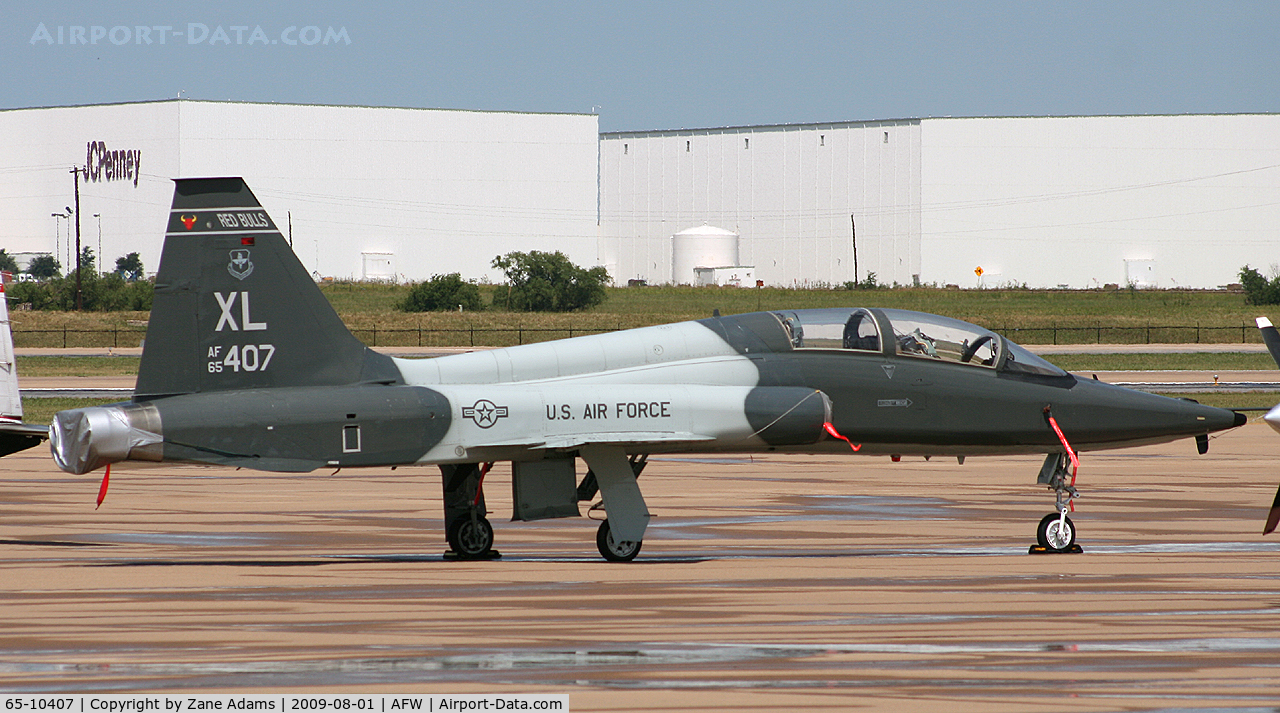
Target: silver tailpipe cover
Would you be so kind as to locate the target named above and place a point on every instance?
(85, 439)
(1273, 418)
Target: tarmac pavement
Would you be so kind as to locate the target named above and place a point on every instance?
(765, 583)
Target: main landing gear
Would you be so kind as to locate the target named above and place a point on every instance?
(611, 474)
(469, 533)
(471, 538)
(1056, 534)
(614, 475)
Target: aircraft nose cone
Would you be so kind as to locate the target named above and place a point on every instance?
(1113, 410)
(1219, 419)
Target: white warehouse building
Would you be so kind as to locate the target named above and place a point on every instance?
(392, 193)
(1167, 201)
(370, 192)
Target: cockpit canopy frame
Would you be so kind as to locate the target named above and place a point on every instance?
(917, 335)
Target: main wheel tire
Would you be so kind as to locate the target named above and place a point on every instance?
(1052, 534)
(615, 550)
(470, 538)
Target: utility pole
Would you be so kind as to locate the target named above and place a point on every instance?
(854, 226)
(99, 217)
(79, 294)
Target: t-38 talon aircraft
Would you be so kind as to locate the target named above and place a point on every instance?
(246, 364)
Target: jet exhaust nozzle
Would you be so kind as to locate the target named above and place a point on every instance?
(85, 439)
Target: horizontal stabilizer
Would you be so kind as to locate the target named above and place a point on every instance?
(1273, 517)
(1271, 337)
(16, 437)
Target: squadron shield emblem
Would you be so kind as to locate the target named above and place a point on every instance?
(240, 266)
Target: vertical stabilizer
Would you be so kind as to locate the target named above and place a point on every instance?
(235, 309)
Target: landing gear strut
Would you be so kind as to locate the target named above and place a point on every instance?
(621, 534)
(1056, 534)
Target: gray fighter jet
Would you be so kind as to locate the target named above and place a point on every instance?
(247, 365)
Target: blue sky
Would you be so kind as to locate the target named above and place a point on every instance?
(660, 65)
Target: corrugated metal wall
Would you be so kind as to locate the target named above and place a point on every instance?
(38, 148)
(444, 191)
(1076, 201)
(789, 191)
(1071, 201)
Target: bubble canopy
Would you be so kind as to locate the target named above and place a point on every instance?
(905, 333)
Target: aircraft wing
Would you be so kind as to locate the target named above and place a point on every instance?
(622, 438)
(16, 437)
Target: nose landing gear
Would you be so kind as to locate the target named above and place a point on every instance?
(1056, 534)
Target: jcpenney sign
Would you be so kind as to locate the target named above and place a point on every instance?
(103, 165)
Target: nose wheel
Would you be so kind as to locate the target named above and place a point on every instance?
(1056, 532)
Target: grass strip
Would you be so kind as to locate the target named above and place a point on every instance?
(77, 366)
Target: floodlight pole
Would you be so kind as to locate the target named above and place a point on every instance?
(79, 294)
(57, 233)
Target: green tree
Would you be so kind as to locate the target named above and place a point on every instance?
(7, 263)
(44, 267)
(38, 294)
(87, 261)
(129, 267)
(548, 282)
(868, 283)
(111, 293)
(1258, 290)
(442, 293)
(100, 294)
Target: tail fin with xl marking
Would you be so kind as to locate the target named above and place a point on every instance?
(235, 309)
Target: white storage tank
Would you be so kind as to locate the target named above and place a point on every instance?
(703, 246)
